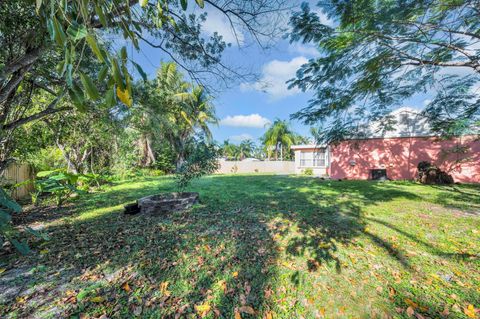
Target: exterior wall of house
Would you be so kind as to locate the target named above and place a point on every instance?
(399, 156)
(317, 171)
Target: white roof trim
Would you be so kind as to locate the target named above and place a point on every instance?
(306, 146)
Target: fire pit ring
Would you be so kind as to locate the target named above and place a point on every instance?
(167, 202)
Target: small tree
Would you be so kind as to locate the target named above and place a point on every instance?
(202, 160)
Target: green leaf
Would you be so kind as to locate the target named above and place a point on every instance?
(77, 31)
(102, 74)
(200, 3)
(110, 97)
(5, 217)
(101, 15)
(143, 3)
(184, 4)
(89, 86)
(68, 74)
(22, 247)
(51, 29)
(60, 36)
(117, 75)
(76, 95)
(140, 71)
(123, 54)
(7, 202)
(92, 42)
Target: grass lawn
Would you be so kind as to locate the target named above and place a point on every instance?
(257, 246)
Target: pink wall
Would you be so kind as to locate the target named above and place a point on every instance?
(400, 156)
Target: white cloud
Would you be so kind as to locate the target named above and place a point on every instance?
(217, 22)
(426, 102)
(275, 74)
(241, 137)
(304, 49)
(252, 120)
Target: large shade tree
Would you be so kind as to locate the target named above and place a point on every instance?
(375, 54)
(43, 44)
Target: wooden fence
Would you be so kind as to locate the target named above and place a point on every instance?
(17, 173)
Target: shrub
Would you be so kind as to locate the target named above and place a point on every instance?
(308, 171)
(59, 184)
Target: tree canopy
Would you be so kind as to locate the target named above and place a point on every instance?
(376, 54)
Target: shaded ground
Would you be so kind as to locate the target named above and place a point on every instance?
(256, 247)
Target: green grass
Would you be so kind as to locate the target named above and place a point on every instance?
(289, 247)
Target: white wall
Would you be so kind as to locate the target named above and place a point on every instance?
(317, 171)
(277, 167)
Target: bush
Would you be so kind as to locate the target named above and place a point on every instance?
(308, 171)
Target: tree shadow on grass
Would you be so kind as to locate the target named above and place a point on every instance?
(213, 260)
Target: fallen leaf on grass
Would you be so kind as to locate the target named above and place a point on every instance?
(2, 270)
(97, 299)
(237, 314)
(164, 288)
(126, 287)
(410, 311)
(202, 309)
(247, 309)
(470, 311)
(268, 315)
(235, 274)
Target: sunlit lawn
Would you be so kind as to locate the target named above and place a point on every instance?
(256, 247)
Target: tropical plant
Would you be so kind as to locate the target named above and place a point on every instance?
(59, 184)
(8, 233)
(278, 138)
(375, 54)
(171, 109)
(246, 148)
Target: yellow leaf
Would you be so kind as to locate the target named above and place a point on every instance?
(202, 309)
(470, 311)
(235, 274)
(125, 97)
(164, 288)
(97, 299)
(126, 287)
(268, 315)
(2, 270)
(237, 315)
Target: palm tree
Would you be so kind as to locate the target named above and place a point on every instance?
(194, 114)
(174, 110)
(278, 137)
(246, 148)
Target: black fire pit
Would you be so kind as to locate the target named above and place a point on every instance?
(167, 202)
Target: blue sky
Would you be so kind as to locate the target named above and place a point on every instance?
(246, 108)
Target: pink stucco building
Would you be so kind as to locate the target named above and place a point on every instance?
(397, 151)
(354, 159)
